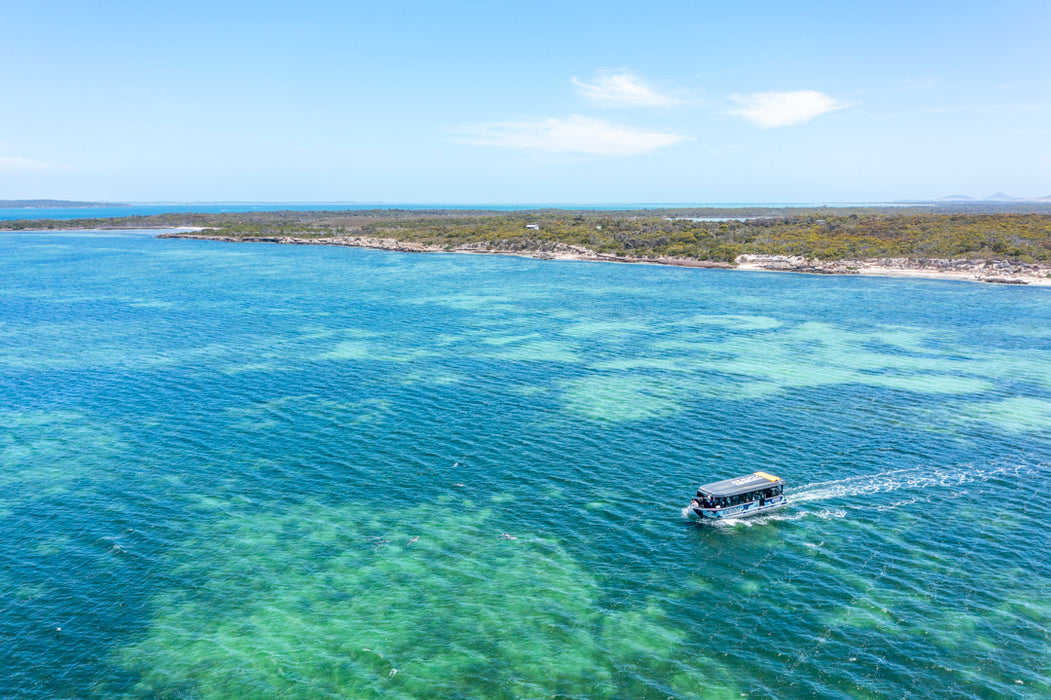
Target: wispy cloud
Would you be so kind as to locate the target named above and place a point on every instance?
(20, 163)
(574, 134)
(623, 89)
(919, 84)
(768, 110)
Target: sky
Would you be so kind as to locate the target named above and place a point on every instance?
(538, 102)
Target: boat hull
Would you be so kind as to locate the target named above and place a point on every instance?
(744, 510)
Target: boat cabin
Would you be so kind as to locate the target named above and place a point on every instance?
(743, 495)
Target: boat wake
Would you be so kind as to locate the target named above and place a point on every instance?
(914, 479)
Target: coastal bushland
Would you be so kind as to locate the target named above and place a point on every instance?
(691, 234)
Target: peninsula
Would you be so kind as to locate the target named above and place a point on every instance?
(1002, 243)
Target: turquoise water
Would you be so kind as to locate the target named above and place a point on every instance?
(288, 471)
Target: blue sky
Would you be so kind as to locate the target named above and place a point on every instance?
(569, 102)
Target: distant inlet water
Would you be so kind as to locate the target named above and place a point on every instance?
(150, 209)
(233, 471)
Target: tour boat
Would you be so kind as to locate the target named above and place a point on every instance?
(739, 497)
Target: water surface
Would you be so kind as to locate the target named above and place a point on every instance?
(286, 471)
(113, 209)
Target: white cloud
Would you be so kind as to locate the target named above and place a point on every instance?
(574, 134)
(919, 84)
(20, 163)
(772, 109)
(623, 90)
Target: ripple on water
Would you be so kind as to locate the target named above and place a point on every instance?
(205, 449)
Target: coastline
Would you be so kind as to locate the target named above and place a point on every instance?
(977, 270)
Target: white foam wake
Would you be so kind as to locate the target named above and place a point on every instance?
(911, 479)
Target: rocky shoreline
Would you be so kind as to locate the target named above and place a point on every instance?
(534, 249)
(992, 271)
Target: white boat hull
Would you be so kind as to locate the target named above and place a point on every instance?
(743, 510)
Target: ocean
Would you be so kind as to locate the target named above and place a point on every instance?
(253, 470)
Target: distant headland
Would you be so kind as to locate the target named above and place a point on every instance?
(54, 204)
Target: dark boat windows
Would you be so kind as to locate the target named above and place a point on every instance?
(706, 500)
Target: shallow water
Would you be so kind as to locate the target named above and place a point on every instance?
(283, 471)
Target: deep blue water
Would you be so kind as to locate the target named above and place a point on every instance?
(250, 470)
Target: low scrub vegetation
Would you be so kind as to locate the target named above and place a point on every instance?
(699, 234)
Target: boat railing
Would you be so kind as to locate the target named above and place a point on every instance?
(770, 500)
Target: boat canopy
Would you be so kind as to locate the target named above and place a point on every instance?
(741, 484)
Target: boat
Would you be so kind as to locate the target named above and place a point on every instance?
(740, 497)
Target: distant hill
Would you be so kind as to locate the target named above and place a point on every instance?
(51, 204)
(998, 197)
